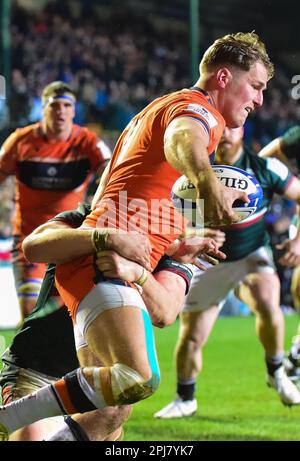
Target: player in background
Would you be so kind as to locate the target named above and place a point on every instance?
(52, 161)
(175, 134)
(249, 269)
(287, 149)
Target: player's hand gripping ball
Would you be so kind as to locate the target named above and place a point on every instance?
(184, 192)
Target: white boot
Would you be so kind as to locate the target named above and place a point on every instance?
(287, 391)
(177, 409)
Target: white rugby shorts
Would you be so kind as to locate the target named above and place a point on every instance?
(211, 287)
(102, 297)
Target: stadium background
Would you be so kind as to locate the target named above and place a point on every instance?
(119, 55)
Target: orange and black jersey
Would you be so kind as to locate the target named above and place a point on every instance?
(139, 167)
(51, 175)
(139, 178)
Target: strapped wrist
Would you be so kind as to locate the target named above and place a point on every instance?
(99, 239)
(143, 278)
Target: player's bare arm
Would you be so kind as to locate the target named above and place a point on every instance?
(163, 292)
(57, 242)
(216, 234)
(188, 250)
(274, 149)
(185, 144)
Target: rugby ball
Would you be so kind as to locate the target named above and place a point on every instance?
(184, 192)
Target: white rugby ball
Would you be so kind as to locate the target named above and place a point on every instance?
(184, 192)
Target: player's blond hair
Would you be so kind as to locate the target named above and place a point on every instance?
(240, 50)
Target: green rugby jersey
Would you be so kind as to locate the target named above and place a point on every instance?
(45, 342)
(274, 177)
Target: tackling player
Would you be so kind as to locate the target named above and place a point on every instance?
(44, 348)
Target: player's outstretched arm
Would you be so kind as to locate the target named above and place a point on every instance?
(284, 147)
(188, 250)
(57, 242)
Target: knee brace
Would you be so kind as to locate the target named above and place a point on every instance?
(128, 386)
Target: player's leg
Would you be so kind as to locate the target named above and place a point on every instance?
(195, 328)
(292, 363)
(200, 311)
(261, 292)
(194, 331)
(122, 339)
(99, 425)
(28, 280)
(17, 382)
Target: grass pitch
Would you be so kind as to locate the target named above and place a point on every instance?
(234, 402)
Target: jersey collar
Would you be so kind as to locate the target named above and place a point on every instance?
(204, 92)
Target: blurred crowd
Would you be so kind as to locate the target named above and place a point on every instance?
(116, 66)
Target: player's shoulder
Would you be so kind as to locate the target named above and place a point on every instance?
(194, 102)
(200, 103)
(83, 133)
(25, 132)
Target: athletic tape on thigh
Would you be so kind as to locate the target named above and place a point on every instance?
(151, 351)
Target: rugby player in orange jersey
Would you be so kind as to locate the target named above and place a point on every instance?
(28, 367)
(52, 161)
(176, 134)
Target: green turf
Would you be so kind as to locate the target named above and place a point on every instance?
(234, 401)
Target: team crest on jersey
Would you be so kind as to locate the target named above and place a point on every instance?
(52, 171)
(200, 110)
